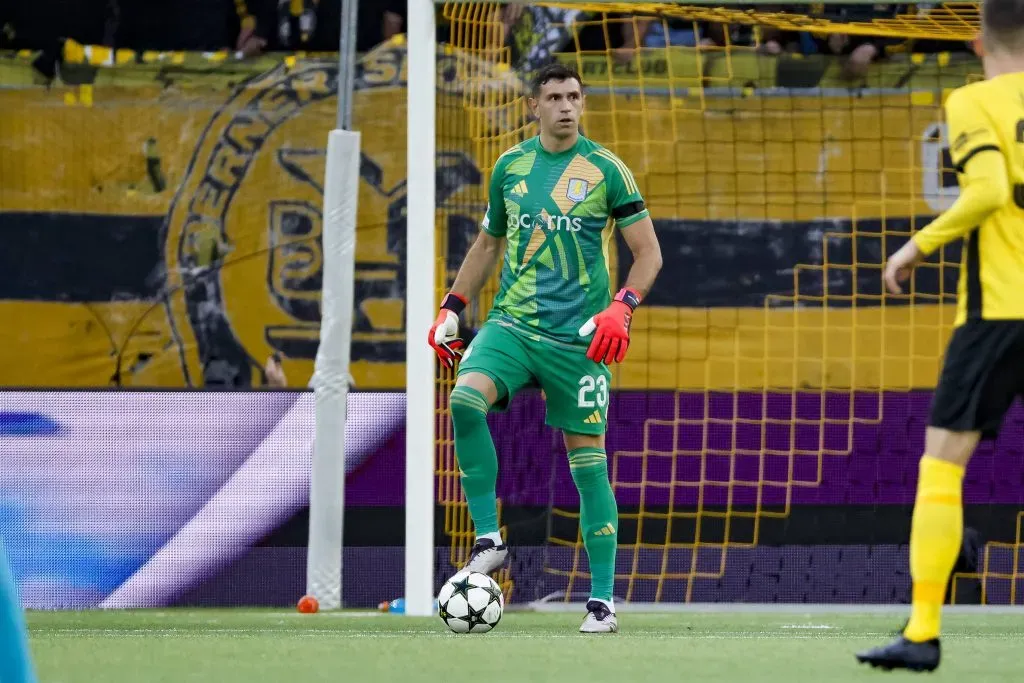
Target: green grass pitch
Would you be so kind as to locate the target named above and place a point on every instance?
(270, 646)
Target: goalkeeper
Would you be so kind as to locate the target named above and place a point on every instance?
(555, 201)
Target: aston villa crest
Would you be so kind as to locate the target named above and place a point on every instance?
(577, 190)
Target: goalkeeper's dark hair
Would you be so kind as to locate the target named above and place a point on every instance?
(1002, 24)
(555, 72)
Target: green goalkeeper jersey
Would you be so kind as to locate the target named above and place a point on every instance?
(557, 212)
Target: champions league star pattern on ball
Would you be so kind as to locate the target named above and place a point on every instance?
(470, 602)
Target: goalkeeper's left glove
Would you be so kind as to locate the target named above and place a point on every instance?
(444, 333)
(612, 328)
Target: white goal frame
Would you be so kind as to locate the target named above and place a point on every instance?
(420, 283)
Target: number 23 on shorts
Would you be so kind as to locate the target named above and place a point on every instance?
(593, 392)
(592, 401)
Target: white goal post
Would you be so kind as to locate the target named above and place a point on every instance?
(419, 309)
(331, 378)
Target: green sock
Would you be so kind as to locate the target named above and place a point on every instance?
(599, 517)
(478, 461)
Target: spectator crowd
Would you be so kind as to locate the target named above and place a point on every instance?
(250, 26)
(533, 32)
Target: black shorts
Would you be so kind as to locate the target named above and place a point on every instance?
(982, 373)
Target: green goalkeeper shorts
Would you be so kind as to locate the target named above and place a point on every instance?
(575, 387)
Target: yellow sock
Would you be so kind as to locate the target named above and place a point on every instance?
(936, 533)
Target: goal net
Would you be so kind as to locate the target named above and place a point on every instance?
(765, 429)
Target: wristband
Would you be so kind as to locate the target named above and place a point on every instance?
(628, 296)
(454, 302)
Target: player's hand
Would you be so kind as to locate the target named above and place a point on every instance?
(444, 334)
(610, 328)
(900, 265)
(274, 372)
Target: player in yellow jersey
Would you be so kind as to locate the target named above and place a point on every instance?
(983, 370)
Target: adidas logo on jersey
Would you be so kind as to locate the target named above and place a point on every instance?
(520, 188)
(606, 530)
(594, 418)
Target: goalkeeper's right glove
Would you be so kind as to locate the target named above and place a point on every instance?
(444, 335)
(612, 328)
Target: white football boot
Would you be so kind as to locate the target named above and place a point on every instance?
(599, 619)
(486, 557)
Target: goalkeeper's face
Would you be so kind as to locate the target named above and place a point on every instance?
(558, 107)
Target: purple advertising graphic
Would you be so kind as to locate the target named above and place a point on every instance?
(146, 499)
(127, 499)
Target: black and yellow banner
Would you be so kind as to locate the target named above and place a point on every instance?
(161, 219)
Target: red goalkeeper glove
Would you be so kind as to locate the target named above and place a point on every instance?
(444, 334)
(611, 328)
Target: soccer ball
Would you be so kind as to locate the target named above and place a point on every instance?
(470, 602)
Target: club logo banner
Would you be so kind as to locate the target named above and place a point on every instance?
(168, 233)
